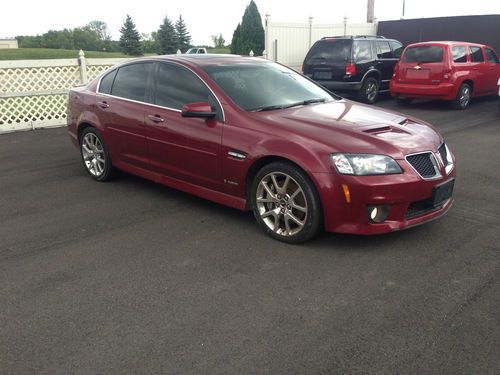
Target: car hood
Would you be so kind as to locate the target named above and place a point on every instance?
(346, 126)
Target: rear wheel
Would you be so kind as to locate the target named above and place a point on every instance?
(95, 156)
(369, 90)
(285, 203)
(462, 100)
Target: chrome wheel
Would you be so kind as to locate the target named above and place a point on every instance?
(281, 204)
(371, 91)
(464, 96)
(93, 154)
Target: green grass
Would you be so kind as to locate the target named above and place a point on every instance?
(47, 53)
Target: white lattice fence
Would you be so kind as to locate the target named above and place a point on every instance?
(33, 93)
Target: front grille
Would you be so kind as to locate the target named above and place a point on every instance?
(425, 164)
(444, 154)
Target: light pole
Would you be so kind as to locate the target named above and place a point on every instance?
(403, 14)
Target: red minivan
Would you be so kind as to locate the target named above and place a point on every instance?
(453, 71)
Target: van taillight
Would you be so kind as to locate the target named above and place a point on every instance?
(350, 69)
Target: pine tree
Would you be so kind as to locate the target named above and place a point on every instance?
(249, 35)
(130, 40)
(236, 41)
(183, 37)
(168, 41)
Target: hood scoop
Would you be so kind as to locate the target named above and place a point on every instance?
(379, 129)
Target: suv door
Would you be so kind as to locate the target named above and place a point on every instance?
(493, 71)
(120, 106)
(385, 62)
(184, 148)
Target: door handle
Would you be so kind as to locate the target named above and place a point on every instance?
(156, 118)
(103, 104)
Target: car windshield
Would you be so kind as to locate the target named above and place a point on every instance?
(423, 54)
(266, 86)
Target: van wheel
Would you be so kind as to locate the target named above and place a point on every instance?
(285, 203)
(462, 100)
(404, 101)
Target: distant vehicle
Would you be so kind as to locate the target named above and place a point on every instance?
(359, 64)
(256, 135)
(498, 83)
(453, 71)
(196, 50)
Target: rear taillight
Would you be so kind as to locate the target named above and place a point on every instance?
(350, 69)
(396, 71)
(447, 73)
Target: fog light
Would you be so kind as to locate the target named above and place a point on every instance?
(378, 214)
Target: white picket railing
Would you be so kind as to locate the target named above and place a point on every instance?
(33, 93)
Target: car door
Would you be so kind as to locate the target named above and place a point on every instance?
(123, 111)
(479, 70)
(385, 62)
(187, 149)
(493, 70)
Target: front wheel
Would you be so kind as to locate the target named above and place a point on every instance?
(369, 91)
(285, 203)
(95, 156)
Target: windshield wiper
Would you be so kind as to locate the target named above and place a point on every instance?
(296, 104)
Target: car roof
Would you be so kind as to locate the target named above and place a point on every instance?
(445, 43)
(208, 59)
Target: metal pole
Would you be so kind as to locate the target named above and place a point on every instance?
(345, 25)
(403, 14)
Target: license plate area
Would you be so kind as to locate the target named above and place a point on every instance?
(417, 74)
(442, 192)
(322, 75)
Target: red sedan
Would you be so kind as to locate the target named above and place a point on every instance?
(252, 134)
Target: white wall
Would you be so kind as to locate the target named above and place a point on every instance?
(8, 43)
(288, 43)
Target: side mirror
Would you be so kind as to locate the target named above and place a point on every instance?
(200, 110)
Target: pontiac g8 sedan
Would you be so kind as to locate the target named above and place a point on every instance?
(253, 134)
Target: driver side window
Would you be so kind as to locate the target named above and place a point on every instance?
(176, 86)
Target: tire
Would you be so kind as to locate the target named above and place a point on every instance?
(369, 91)
(404, 101)
(95, 155)
(464, 94)
(285, 203)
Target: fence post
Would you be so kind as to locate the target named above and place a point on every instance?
(345, 25)
(266, 37)
(83, 67)
(310, 30)
(251, 53)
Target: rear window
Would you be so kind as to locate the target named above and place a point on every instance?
(476, 54)
(337, 50)
(423, 54)
(459, 54)
(362, 51)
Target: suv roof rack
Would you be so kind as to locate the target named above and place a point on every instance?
(354, 36)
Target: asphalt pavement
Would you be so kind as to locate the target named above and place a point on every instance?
(133, 277)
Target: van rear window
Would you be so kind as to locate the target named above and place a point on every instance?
(423, 54)
(333, 50)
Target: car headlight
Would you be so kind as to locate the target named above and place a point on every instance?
(365, 164)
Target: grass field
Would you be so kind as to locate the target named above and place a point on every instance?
(46, 53)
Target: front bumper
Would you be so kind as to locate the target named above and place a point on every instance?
(402, 192)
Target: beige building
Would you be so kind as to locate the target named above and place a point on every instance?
(8, 43)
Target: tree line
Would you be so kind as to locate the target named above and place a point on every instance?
(170, 37)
